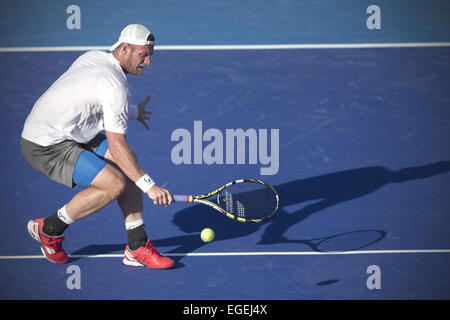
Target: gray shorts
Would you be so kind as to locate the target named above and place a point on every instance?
(58, 161)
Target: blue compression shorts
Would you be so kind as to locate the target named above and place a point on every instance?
(89, 164)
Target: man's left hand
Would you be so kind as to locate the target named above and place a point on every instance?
(143, 114)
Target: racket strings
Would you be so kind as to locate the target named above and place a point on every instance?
(249, 200)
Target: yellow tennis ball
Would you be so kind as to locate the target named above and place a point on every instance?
(207, 235)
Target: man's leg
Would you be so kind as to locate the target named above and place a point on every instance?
(107, 186)
(139, 252)
(105, 183)
(131, 203)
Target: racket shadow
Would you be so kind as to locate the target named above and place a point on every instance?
(347, 241)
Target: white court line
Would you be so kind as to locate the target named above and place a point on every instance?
(241, 47)
(261, 253)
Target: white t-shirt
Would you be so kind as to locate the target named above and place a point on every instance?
(91, 96)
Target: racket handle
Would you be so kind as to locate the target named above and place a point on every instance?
(182, 198)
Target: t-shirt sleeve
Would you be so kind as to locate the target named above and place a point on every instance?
(115, 110)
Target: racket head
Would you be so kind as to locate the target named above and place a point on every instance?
(248, 200)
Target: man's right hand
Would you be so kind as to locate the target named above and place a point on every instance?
(160, 196)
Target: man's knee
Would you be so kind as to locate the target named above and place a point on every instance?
(111, 180)
(119, 183)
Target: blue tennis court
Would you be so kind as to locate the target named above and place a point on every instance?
(352, 129)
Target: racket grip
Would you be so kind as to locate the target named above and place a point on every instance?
(182, 198)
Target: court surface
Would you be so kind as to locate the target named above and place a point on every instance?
(362, 163)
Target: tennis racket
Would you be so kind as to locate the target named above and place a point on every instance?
(245, 200)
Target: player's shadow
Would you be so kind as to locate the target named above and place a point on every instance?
(334, 188)
(326, 190)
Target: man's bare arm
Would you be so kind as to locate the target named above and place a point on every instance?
(124, 157)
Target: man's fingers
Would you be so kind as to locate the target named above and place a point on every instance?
(142, 112)
(162, 197)
(169, 197)
(144, 103)
(166, 198)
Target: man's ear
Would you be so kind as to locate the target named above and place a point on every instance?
(124, 47)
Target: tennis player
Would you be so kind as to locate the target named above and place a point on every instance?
(63, 138)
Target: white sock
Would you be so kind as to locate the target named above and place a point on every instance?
(134, 224)
(63, 216)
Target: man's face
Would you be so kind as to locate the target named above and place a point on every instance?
(136, 58)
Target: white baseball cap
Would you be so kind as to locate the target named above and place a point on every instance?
(134, 34)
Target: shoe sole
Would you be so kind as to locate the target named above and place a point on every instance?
(129, 261)
(35, 236)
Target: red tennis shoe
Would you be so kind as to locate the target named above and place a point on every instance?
(147, 257)
(51, 247)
